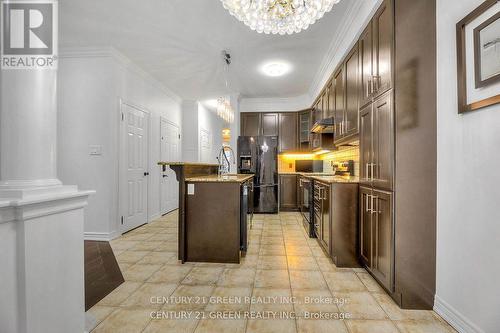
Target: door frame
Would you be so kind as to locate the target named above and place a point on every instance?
(122, 172)
(164, 119)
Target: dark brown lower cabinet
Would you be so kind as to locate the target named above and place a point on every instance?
(344, 224)
(288, 192)
(336, 221)
(377, 235)
(322, 221)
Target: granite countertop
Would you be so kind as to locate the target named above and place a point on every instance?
(187, 163)
(307, 174)
(232, 178)
(337, 179)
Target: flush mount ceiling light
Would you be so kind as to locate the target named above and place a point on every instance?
(275, 68)
(278, 16)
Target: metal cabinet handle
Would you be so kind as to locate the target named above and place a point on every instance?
(374, 198)
(367, 172)
(367, 209)
(372, 166)
(376, 82)
(369, 87)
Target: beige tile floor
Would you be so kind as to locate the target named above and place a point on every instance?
(282, 266)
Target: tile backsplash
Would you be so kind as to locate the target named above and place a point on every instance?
(344, 154)
(287, 163)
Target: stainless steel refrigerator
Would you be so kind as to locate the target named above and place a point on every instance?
(259, 155)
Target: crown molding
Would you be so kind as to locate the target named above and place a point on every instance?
(357, 17)
(121, 59)
(275, 104)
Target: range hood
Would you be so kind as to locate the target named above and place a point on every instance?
(326, 125)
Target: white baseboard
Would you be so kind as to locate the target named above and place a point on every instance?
(154, 217)
(101, 236)
(454, 318)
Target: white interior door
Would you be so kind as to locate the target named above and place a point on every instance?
(170, 153)
(135, 150)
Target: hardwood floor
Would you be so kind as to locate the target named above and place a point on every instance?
(102, 273)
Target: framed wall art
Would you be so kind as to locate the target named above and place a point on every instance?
(478, 57)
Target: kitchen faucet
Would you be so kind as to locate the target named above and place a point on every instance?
(224, 161)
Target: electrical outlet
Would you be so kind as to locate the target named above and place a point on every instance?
(95, 150)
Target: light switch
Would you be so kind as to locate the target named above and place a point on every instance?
(190, 189)
(95, 150)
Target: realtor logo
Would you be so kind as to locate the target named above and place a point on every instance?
(28, 35)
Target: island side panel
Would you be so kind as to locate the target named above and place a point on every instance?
(213, 223)
(345, 225)
(183, 171)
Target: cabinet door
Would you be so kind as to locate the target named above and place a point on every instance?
(366, 63)
(383, 142)
(325, 220)
(318, 110)
(250, 124)
(351, 93)
(270, 124)
(327, 111)
(365, 143)
(304, 129)
(365, 228)
(288, 192)
(383, 238)
(383, 36)
(339, 102)
(288, 132)
(315, 137)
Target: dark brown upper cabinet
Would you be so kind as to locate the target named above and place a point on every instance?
(327, 110)
(366, 65)
(318, 110)
(383, 37)
(365, 143)
(288, 132)
(250, 124)
(377, 143)
(339, 81)
(376, 54)
(270, 124)
(317, 114)
(351, 116)
(383, 142)
(305, 124)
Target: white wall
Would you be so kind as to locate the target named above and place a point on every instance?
(190, 141)
(10, 304)
(138, 88)
(91, 84)
(468, 231)
(88, 115)
(209, 134)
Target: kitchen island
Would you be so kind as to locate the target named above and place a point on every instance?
(217, 218)
(211, 209)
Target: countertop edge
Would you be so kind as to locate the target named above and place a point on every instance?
(217, 179)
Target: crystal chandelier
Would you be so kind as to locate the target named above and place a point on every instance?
(224, 109)
(278, 16)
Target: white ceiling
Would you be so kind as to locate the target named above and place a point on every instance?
(179, 42)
